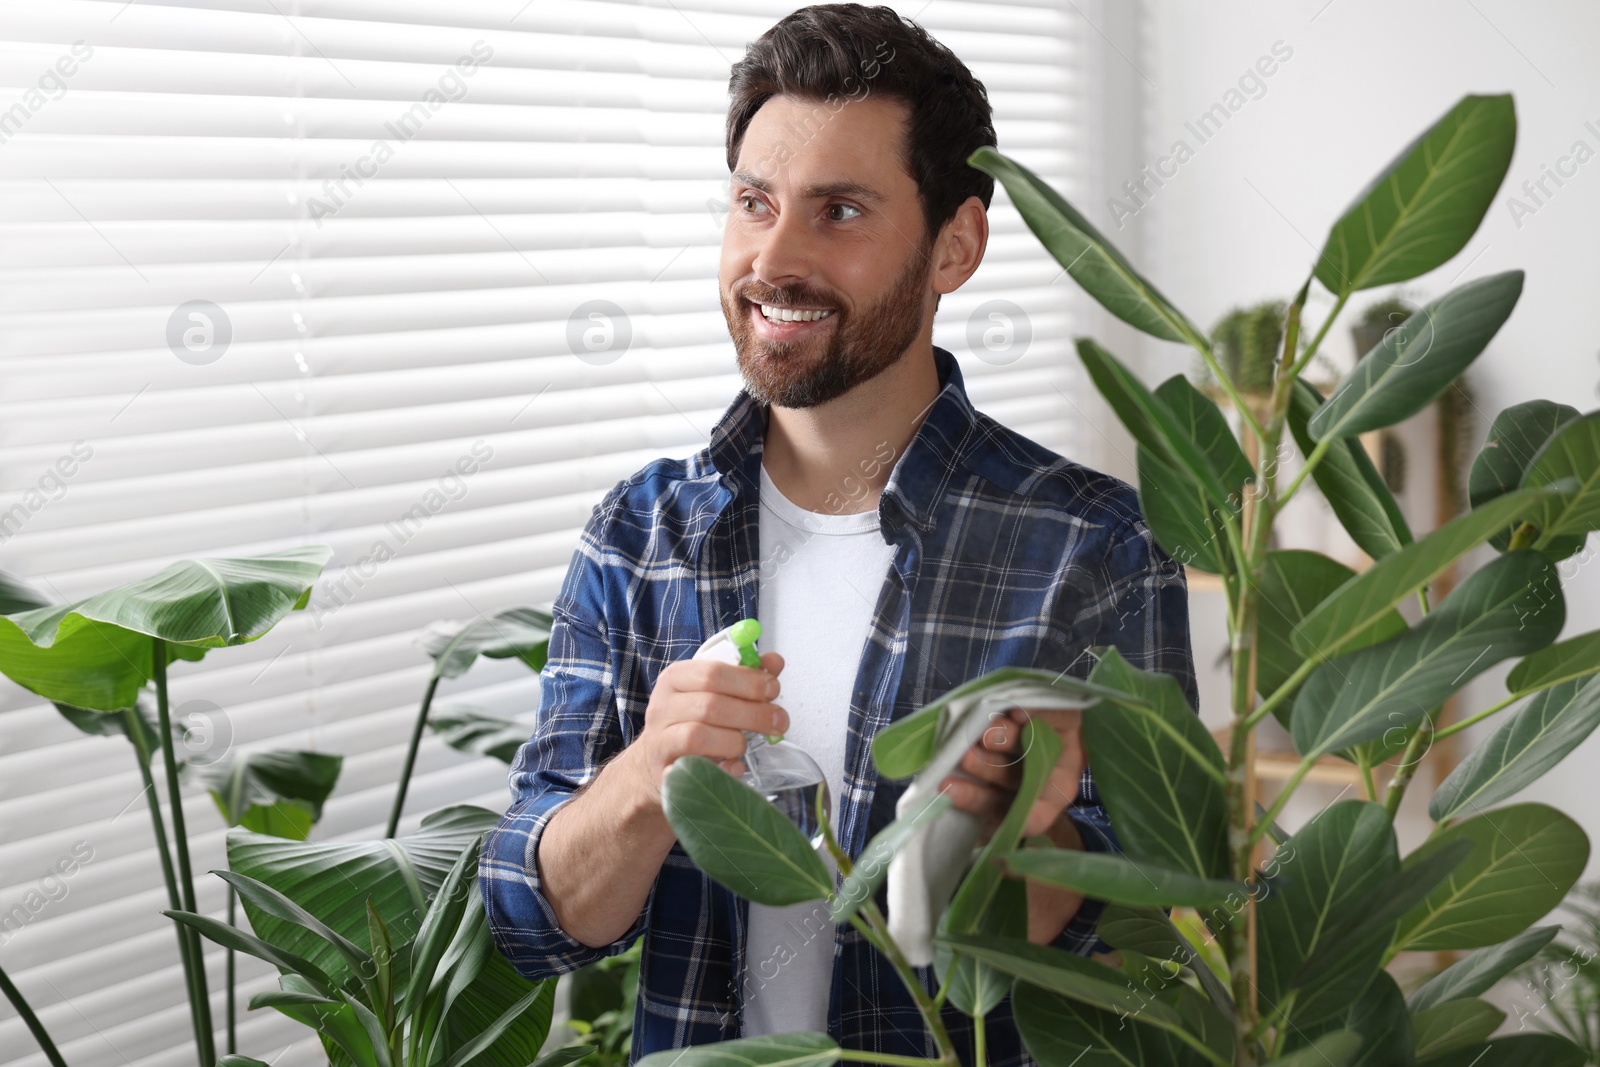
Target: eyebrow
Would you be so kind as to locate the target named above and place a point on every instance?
(812, 192)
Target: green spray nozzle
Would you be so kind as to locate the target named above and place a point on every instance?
(744, 634)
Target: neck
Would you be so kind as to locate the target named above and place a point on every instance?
(836, 457)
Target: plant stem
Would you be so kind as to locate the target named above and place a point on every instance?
(1416, 748)
(233, 1037)
(1457, 727)
(979, 1046)
(1282, 799)
(862, 1056)
(200, 1001)
(19, 1002)
(1322, 331)
(142, 756)
(1312, 460)
(875, 930)
(411, 758)
(1284, 691)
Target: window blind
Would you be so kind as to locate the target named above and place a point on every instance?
(419, 281)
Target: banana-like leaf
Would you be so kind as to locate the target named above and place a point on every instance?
(1418, 360)
(1522, 749)
(274, 903)
(1518, 1050)
(1576, 657)
(773, 1050)
(1338, 859)
(1378, 1016)
(1454, 1025)
(904, 748)
(1573, 451)
(1426, 204)
(96, 652)
(1524, 858)
(523, 633)
(1059, 1031)
(1349, 482)
(1509, 608)
(1335, 623)
(1118, 877)
(18, 594)
(1293, 582)
(343, 1038)
(236, 939)
(478, 733)
(1151, 422)
(1159, 772)
(333, 879)
(1477, 973)
(115, 723)
(1093, 261)
(439, 925)
(1515, 437)
(276, 793)
(739, 839)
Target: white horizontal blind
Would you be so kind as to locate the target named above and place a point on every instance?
(393, 211)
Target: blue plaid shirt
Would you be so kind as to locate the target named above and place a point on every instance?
(1006, 554)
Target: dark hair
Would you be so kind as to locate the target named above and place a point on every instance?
(843, 52)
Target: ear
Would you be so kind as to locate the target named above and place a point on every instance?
(960, 245)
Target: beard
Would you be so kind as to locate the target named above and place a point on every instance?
(811, 371)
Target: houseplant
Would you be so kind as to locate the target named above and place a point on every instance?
(1306, 917)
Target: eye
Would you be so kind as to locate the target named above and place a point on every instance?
(747, 199)
(842, 207)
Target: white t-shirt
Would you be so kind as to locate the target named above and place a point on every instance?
(820, 578)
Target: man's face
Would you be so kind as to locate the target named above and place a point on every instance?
(824, 223)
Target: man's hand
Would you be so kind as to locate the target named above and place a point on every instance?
(994, 765)
(701, 708)
(992, 771)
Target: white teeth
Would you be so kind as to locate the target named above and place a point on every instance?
(777, 314)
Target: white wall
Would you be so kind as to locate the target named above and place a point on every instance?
(1242, 219)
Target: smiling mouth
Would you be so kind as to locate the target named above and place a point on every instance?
(779, 315)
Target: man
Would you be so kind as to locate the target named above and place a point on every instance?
(892, 541)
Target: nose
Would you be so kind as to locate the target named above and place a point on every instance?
(784, 251)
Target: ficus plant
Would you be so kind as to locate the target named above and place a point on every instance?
(1286, 962)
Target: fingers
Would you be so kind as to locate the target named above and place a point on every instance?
(714, 676)
(772, 663)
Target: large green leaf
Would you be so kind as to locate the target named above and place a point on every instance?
(1151, 421)
(1151, 932)
(1417, 361)
(96, 652)
(116, 723)
(904, 747)
(1349, 482)
(1493, 615)
(333, 879)
(18, 594)
(1524, 858)
(1521, 749)
(739, 839)
(1518, 1050)
(1158, 772)
(972, 987)
(1573, 451)
(523, 633)
(1065, 973)
(1183, 522)
(1338, 859)
(1187, 525)
(1336, 1049)
(275, 793)
(1576, 657)
(1453, 1025)
(1338, 620)
(1426, 204)
(1061, 1031)
(1293, 582)
(1378, 1016)
(1118, 877)
(1477, 973)
(1515, 437)
(773, 1050)
(1091, 260)
(478, 733)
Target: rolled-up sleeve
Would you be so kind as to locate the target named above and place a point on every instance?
(576, 731)
(1142, 610)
